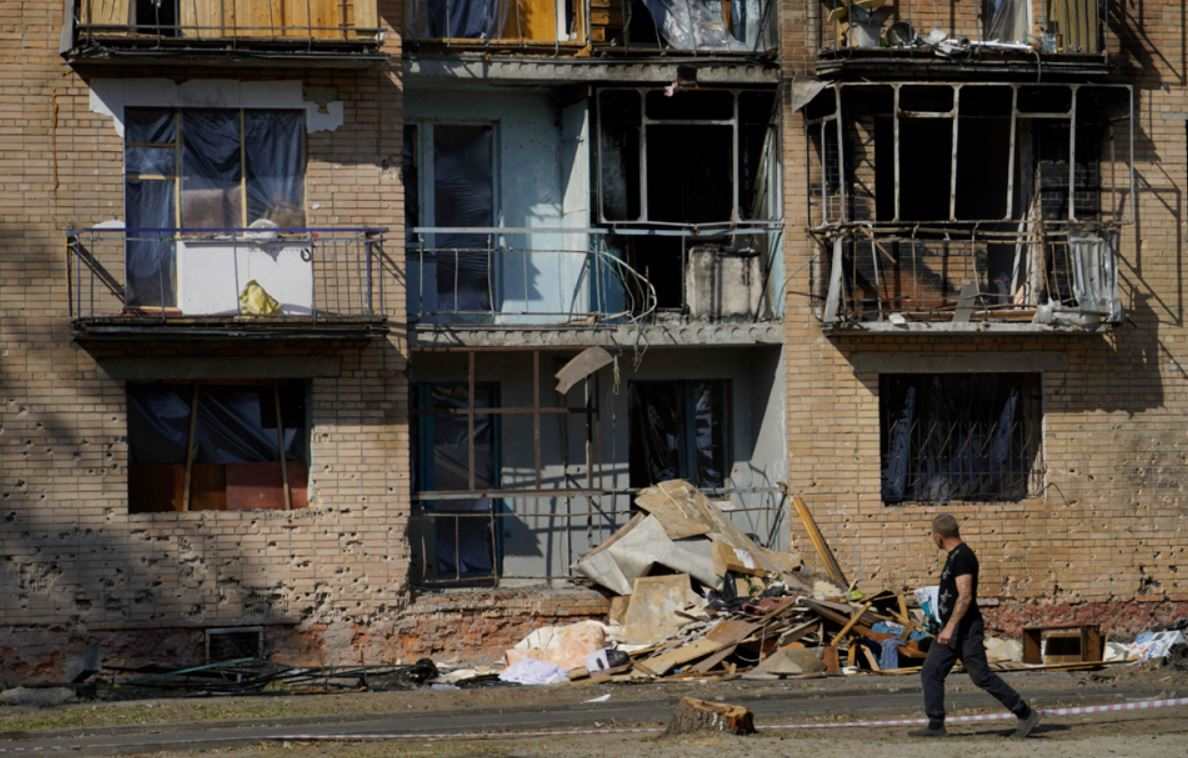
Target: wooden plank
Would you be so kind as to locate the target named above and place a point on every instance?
(874, 663)
(660, 665)
(823, 552)
(106, 12)
(709, 663)
(365, 17)
(850, 624)
(259, 19)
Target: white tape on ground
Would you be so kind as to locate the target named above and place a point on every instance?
(1080, 710)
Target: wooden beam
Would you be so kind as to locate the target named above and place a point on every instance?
(850, 624)
(280, 446)
(826, 555)
(190, 446)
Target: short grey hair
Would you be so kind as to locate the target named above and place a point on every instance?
(945, 524)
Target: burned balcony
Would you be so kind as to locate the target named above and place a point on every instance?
(860, 38)
(236, 283)
(327, 33)
(961, 207)
(587, 280)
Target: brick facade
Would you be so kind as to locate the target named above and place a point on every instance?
(1106, 538)
(331, 582)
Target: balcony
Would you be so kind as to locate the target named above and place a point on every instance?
(1047, 276)
(950, 207)
(476, 286)
(318, 33)
(862, 38)
(609, 28)
(243, 283)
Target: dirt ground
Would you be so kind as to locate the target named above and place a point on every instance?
(1130, 737)
(643, 706)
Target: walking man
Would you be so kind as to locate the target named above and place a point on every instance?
(961, 636)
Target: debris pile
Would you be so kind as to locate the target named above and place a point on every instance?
(696, 597)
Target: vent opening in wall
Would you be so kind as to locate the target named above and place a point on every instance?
(234, 643)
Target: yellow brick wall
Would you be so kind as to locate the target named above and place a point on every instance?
(70, 554)
(1110, 524)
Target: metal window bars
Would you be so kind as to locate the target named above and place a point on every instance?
(317, 274)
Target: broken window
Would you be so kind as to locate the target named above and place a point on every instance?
(459, 538)
(204, 446)
(722, 25)
(217, 169)
(157, 17)
(972, 437)
(679, 431)
(453, 168)
(690, 157)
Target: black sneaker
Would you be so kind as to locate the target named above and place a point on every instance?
(1026, 726)
(929, 731)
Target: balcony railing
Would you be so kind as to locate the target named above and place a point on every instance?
(566, 276)
(272, 28)
(246, 277)
(1019, 27)
(1048, 274)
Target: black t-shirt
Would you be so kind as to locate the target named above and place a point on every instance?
(961, 561)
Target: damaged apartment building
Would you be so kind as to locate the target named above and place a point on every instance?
(372, 317)
(340, 330)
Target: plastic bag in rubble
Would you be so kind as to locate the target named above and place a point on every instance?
(1155, 645)
(928, 599)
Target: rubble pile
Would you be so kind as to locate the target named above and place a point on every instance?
(696, 597)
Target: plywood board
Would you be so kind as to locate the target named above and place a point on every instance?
(651, 616)
(660, 665)
(532, 20)
(106, 12)
(316, 19)
(365, 16)
(258, 18)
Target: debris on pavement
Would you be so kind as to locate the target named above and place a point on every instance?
(695, 715)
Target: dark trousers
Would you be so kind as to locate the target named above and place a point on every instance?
(970, 649)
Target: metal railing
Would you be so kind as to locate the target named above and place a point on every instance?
(1039, 272)
(555, 275)
(310, 273)
(1054, 26)
(171, 24)
(458, 546)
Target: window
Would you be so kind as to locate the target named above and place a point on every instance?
(455, 539)
(216, 169)
(157, 17)
(454, 168)
(946, 437)
(679, 431)
(691, 157)
(207, 446)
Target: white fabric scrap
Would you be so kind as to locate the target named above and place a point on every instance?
(533, 672)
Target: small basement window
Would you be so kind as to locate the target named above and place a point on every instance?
(204, 446)
(965, 437)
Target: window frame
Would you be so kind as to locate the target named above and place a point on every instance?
(178, 167)
(687, 460)
(774, 194)
(1030, 412)
(283, 462)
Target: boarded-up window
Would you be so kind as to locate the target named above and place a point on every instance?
(223, 440)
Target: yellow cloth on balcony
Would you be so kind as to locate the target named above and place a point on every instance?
(255, 301)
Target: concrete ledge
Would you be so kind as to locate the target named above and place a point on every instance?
(898, 362)
(478, 66)
(688, 334)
